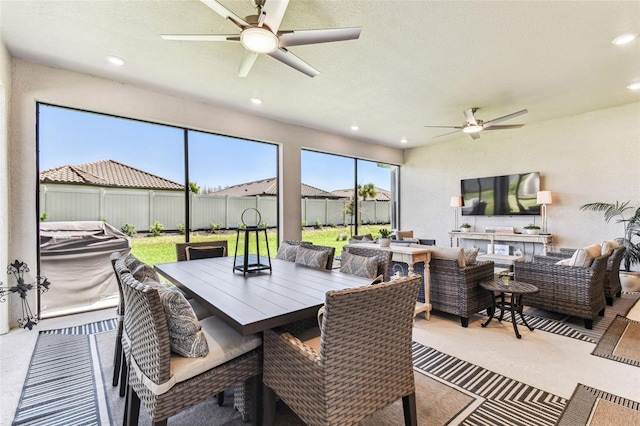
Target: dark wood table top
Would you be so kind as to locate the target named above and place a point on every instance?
(514, 287)
(257, 301)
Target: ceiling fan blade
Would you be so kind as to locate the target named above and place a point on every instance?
(286, 57)
(446, 127)
(201, 37)
(248, 59)
(474, 136)
(490, 123)
(299, 38)
(445, 134)
(225, 13)
(274, 12)
(469, 117)
(504, 127)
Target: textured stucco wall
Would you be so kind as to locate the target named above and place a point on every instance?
(33, 82)
(582, 159)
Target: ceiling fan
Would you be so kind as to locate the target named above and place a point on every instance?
(259, 35)
(473, 126)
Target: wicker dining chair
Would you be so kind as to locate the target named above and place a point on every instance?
(119, 365)
(182, 249)
(167, 383)
(351, 366)
(384, 259)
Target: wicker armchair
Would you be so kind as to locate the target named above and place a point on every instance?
(612, 286)
(571, 290)
(384, 259)
(349, 371)
(456, 290)
(119, 364)
(181, 248)
(166, 383)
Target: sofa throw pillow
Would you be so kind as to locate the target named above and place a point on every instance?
(470, 256)
(185, 332)
(204, 252)
(581, 257)
(608, 247)
(131, 262)
(312, 258)
(564, 262)
(360, 266)
(456, 253)
(287, 252)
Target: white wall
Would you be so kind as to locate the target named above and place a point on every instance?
(33, 82)
(582, 159)
(5, 95)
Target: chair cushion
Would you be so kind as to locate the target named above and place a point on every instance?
(608, 247)
(310, 337)
(287, 252)
(581, 257)
(224, 345)
(360, 266)
(185, 332)
(144, 273)
(470, 256)
(204, 252)
(312, 258)
(449, 253)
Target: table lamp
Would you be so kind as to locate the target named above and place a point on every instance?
(543, 198)
(456, 201)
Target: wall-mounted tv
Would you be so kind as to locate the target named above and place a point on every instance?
(507, 195)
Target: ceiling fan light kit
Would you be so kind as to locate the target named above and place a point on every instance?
(259, 40)
(473, 126)
(259, 35)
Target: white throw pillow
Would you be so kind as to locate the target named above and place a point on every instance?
(456, 253)
(581, 257)
(609, 246)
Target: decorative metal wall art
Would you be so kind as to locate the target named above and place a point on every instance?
(17, 269)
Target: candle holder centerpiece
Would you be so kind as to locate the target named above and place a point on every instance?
(247, 231)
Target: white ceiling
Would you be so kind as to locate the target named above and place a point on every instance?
(416, 62)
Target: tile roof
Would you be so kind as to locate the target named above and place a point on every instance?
(107, 173)
(270, 187)
(381, 194)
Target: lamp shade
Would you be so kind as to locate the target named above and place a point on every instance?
(544, 197)
(456, 201)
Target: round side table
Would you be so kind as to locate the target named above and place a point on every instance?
(517, 290)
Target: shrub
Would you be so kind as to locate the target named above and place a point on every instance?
(214, 226)
(318, 224)
(43, 218)
(157, 229)
(263, 224)
(333, 225)
(342, 237)
(181, 229)
(128, 229)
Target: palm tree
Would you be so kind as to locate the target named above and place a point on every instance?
(631, 227)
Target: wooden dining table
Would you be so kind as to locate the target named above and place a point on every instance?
(261, 300)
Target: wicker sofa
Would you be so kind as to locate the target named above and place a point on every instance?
(572, 290)
(454, 284)
(612, 286)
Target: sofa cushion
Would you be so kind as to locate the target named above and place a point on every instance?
(360, 266)
(581, 257)
(287, 252)
(456, 253)
(470, 256)
(312, 258)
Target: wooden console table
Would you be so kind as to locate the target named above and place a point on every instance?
(492, 237)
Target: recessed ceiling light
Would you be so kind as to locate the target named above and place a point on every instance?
(256, 101)
(355, 127)
(116, 60)
(625, 38)
(403, 140)
(634, 86)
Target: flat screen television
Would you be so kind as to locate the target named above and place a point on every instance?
(507, 195)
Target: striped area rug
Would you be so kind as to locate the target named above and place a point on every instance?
(499, 400)
(590, 406)
(91, 328)
(574, 327)
(64, 383)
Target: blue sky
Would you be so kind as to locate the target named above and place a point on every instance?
(70, 137)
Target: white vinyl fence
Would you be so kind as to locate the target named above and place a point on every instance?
(143, 208)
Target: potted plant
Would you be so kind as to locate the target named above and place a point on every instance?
(630, 240)
(532, 229)
(385, 237)
(465, 227)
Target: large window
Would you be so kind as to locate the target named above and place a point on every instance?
(160, 184)
(343, 196)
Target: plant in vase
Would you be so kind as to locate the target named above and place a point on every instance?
(532, 229)
(385, 237)
(465, 227)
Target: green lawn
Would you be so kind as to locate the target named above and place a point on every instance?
(161, 249)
